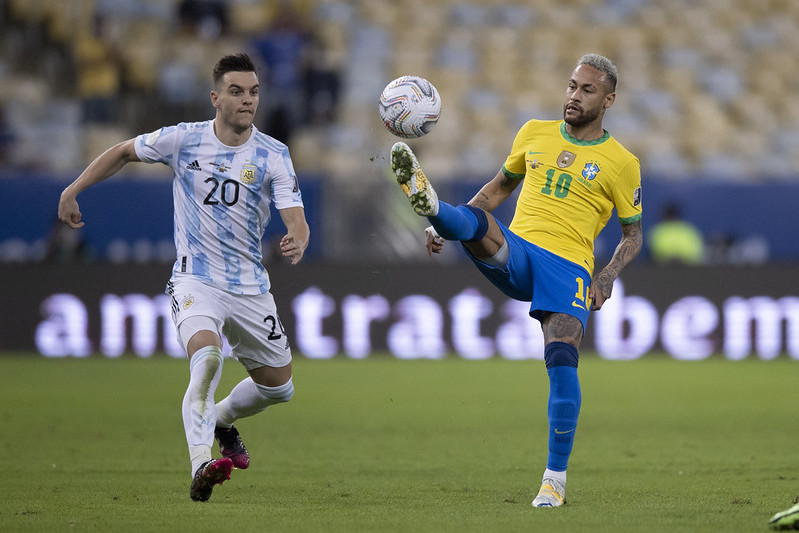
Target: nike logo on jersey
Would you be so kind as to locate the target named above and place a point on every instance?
(194, 165)
(534, 164)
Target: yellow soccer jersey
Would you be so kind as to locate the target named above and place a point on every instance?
(570, 188)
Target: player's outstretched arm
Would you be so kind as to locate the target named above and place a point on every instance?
(628, 248)
(294, 243)
(105, 165)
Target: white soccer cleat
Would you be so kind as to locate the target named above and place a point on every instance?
(551, 494)
(412, 180)
(788, 519)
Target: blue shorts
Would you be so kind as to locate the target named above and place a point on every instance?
(549, 282)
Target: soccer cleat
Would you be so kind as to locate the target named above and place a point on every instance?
(551, 494)
(786, 519)
(231, 446)
(412, 181)
(213, 472)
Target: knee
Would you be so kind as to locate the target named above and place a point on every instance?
(561, 354)
(287, 395)
(280, 394)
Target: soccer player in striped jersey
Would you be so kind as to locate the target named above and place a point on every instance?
(573, 174)
(226, 174)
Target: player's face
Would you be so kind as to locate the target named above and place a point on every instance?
(587, 96)
(236, 99)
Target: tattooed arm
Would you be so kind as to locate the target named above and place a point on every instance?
(494, 192)
(628, 248)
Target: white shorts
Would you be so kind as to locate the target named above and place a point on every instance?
(249, 322)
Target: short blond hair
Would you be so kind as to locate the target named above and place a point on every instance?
(604, 65)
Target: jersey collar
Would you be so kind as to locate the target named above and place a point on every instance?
(578, 142)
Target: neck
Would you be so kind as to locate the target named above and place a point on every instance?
(231, 136)
(586, 132)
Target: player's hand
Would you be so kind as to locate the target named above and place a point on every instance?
(600, 290)
(292, 249)
(433, 242)
(69, 212)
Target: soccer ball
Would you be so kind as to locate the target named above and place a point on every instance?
(409, 107)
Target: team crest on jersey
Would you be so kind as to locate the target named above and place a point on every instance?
(188, 301)
(565, 159)
(590, 170)
(248, 173)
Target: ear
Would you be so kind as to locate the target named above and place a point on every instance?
(609, 99)
(214, 98)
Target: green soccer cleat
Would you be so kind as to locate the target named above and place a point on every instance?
(786, 519)
(551, 494)
(412, 181)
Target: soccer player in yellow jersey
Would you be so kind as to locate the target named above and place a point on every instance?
(573, 174)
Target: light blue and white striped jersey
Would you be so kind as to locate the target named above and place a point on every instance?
(222, 196)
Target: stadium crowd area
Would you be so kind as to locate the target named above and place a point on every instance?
(705, 86)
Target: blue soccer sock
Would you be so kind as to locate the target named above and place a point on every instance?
(563, 408)
(457, 223)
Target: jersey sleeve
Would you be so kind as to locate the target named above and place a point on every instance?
(284, 183)
(515, 166)
(627, 193)
(157, 146)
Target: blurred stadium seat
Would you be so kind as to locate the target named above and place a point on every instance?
(700, 87)
(704, 89)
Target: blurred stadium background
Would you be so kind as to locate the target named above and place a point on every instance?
(706, 101)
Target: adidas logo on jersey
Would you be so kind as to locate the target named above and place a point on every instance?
(194, 165)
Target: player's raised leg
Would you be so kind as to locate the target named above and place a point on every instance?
(246, 399)
(463, 223)
(250, 396)
(412, 180)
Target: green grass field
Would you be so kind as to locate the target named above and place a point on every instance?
(389, 445)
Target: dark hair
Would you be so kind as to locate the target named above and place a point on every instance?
(233, 63)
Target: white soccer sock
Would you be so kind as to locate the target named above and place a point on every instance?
(199, 413)
(248, 398)
(198, 455)
(553, 474)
